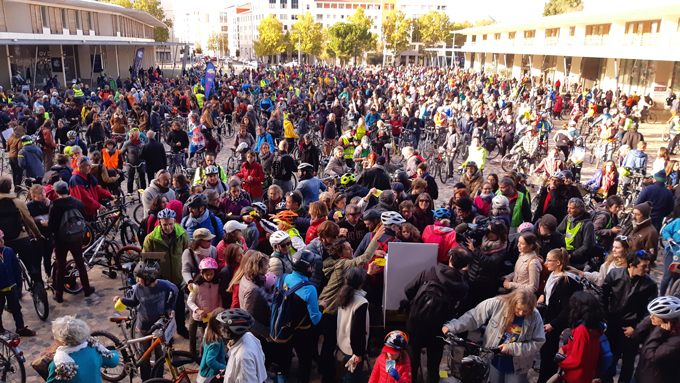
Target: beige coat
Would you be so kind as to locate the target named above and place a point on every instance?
(527, 272)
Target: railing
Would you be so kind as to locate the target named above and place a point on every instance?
(551, 41)
(588, 41)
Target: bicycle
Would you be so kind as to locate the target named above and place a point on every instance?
(138, 176)
(442, 166)
(176, 163)
(518, 162)
(12, 359)
(37, 291)
(647, 117)
(182, 365)
(600, 154)
(473, 365)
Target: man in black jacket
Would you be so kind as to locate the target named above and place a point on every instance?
(626, 293)
(579, 233)
(553, 199)
(422, 329)
(310, 153)
(154, 155)
(376, 177)
(283, 167)
(355, 226)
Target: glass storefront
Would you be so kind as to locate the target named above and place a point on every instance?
(637, 76)
(22, 59)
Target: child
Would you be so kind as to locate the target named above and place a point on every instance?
(197, 139)
(528, 266)
(39, 207)
(393, 360)
(10, 275)
(319, 212)
(285, 222)
(203, 299)
(154, 298)
(251, 234)
(214, 357)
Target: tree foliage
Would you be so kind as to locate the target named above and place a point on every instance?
(197, 48)
(359, 18)
(558, 7)
(271, 40)
(396, 31)
(217, 42)
(433, 29)
(310, 35)
(460, 39)
(152, 7)
(352, 39)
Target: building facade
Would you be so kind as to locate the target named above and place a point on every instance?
(633, 49)
(71, 39)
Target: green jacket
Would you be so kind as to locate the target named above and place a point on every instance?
(171, 267)
(334, 270)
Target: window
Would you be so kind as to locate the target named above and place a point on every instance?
(77, 20)
(319, 17)
(326, 5)
(643, 27)
(511, 35)
(293, 17)
(598, 30)
(284, 17)
(341, 6)
(45, 17)
(272, 3)
(342, 16)
(552, 33)
(443, 7)
(529, 34)
(294, 4)
(64, 18)
(370, 8)
(572, 31)
(225, 28)
(335, 16)
(285, 27)
(484, 37)
(334, 5)
(284, 4)
(319, 5)
(497, 36)
(223, 17)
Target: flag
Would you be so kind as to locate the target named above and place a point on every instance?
(209, 78)
(137, 64)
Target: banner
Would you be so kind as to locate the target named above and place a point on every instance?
(209, 78)
(137, 64)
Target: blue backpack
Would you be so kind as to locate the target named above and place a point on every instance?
(606, 358)
(281, 327)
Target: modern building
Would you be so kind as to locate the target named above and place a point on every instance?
(71, 39)
(636, 49)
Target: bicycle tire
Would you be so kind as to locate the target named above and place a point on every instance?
(88, 236)
(507, 166)
(229, 131)
(666, 136)
(493, 153)
(127, 254)
(40, 301)
(444, 172)
(138, 214)
(651, 118)
(23, 195)
(294, 180)
(8, 354)
(159, 368)
(72, 284)
(231, 166)
(128, 233)
(114, 344)
(674, 289)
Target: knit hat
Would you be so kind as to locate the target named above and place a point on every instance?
(660, 176)
(644, 208)
(397, 187)
(464, 204)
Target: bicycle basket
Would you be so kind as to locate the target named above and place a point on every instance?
(469, 364)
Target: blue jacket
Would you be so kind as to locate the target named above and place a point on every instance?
(264, 138)
(204, 221)
(307, 293)
(310, 190)
(635, 159)
(317, 248)
(30, 159)
(661, 199)
(10, 271)
(266, 104)
(213, 360)
(89, 362)
(671, 231)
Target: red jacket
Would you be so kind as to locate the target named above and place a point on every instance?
(443, 236)
(583, 352)
(85, 188)
(254, 187)
(313, 227)
(379, 375)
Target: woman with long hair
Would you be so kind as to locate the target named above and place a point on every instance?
(513, 321)
(661, 160)
(615, 259)
(353, 321)
(251, 294)
(409, 233)
(423, 213)
(214, 352)
(605, 180)
(672, 174)
(232, 257)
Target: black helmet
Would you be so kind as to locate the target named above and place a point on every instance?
(197, 200)
(402, 177)
(472, 369)
(149, 270)
(238, 321)
(302, 261)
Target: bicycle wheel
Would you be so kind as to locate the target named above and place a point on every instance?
(127, 254)
(666, 135)
(138, 214)
(494, 152)
(182, 360)
(40, 301)
(72, 283)
(229, 131)
(111, 342)
(12, 368)
(88, 236)
(128, 234)
(651, 118)
(294, 180)
(158, 380)
(444, 172)
(23, 195)
(674, 289)
(507, 162)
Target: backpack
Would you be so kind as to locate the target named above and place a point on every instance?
(10, 219)
(143, 234)
(384, 244)
(278, 168)
(282, 327)
(41, 138)
(430, 309)
(72, 226)
(143, 229)
(606, 358)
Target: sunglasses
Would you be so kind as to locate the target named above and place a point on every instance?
(622, 238)
(423, 200)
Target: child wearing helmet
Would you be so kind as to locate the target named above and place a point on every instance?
(659, 334)
(309, 185)
(394, 361)
(441, 234)
(246, 358)
(286, 222)
(204, 297)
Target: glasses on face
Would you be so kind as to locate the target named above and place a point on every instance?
(284, 244)
(424, 200)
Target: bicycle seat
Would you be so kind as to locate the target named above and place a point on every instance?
(128, 266)
(118, 319)
(179, 362)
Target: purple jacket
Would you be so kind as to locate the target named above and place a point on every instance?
(233, 209)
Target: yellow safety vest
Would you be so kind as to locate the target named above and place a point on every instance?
(199, 99)
(570, 234)
(349, 151)
(293, 232)
(78, 93)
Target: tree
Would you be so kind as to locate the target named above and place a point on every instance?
(460, 38)
(310, 34)
(359, 18)
(340, 40)
(558, 7)
(364, 39)
(197, 48)
(152, 7)
(396, 31)
(434, 28)
(271, 39)
(217, 42)
(484, 22)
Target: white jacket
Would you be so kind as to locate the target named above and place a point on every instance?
(245, 361)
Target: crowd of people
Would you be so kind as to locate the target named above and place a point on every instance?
(289, 251)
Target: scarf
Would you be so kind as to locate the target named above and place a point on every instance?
(135, 141)
(641, 224)
(236, 200)
(66, 368)
(196, 222)
(161, 188)
(487, 197)
(608, 180)
(488, 245)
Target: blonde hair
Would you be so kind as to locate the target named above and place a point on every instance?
(519, 297)
(318, 209)
(35, 189)
(250, 266)
(212, 330)
(561, 255)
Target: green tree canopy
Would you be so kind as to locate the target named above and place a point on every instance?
(310, 35)
(359, 18)
(434, 28)
(396, 30)
(152, 7)
(217, 42)
(558, 7)
(271, 39)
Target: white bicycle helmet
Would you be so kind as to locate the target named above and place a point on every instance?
(212, 169)
(242, 147)
(71, 134)
(665, 308)
(391, 218)
(166, 213)
(260, 206)
(278, 237)
(499, 201)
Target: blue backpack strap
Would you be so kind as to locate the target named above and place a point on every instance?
(297, 287)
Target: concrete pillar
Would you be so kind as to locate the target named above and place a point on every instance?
(575, 73)
(517, 66)
(536, 63)
(477, 66)
(609, 79)
(84, 63)
(559, 70)
(468, 60)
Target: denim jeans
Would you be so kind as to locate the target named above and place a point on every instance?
(496, 376)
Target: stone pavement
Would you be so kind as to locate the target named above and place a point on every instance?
(97, 308)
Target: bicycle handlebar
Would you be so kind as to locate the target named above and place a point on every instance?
(452, 340)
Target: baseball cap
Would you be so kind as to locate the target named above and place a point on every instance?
(203, 234)
(61, 187)
(232, 226)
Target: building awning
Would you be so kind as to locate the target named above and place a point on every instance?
(88, 42)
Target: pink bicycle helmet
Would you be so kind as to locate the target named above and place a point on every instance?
(270, 280)
(207, 263)
(525, 225)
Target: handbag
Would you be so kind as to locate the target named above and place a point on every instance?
(42, 363)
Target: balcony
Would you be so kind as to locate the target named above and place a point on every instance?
(551, 41)
(596, 41)
(640, 40)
